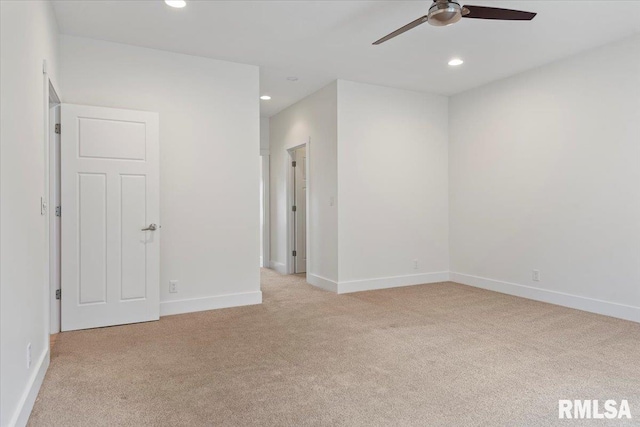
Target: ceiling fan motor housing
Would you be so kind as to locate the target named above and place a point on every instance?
(443, 13)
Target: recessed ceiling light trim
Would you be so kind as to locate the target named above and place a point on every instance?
(265, 97)
(455, 62)
(178, 4)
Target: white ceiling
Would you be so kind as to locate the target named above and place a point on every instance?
(319, 41)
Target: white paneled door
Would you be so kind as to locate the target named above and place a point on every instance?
(110, 207)
(300, 201)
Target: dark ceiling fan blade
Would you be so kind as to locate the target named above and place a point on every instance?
(483, 12)
(401, 30)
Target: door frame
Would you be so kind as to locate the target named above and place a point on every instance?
(265, 208)
(54, 238)
(51, 180)
(290, 261)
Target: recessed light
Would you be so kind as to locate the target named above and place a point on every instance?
(176, 3)
(265, 97)
(292, 79)
(455, 62)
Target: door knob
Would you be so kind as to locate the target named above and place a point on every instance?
(151, 227)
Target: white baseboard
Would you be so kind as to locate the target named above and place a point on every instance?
(391, 282)
(621, 311)
(322, 282)
(25, 405)
(168, 308)
(278, 266)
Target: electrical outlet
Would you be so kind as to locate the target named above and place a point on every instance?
(415, 264)
(29, 356)
(173, 286)
(536, 275)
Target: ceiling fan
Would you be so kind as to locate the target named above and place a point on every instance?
(446, 12)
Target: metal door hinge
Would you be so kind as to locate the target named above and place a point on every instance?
(58, 210)
(294, 208)
(293, 163)
(295, 253)
(57, 128)
(58, 293)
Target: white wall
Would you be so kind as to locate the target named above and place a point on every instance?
(313, 118)
(264, 135)
(378, 186)
(392, 187)
(209, 149)
(545, 174)
(28, 36)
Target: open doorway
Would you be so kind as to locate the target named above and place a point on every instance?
(298, 197)
(81, 229)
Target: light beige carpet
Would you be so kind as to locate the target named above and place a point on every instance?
(440, 354)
